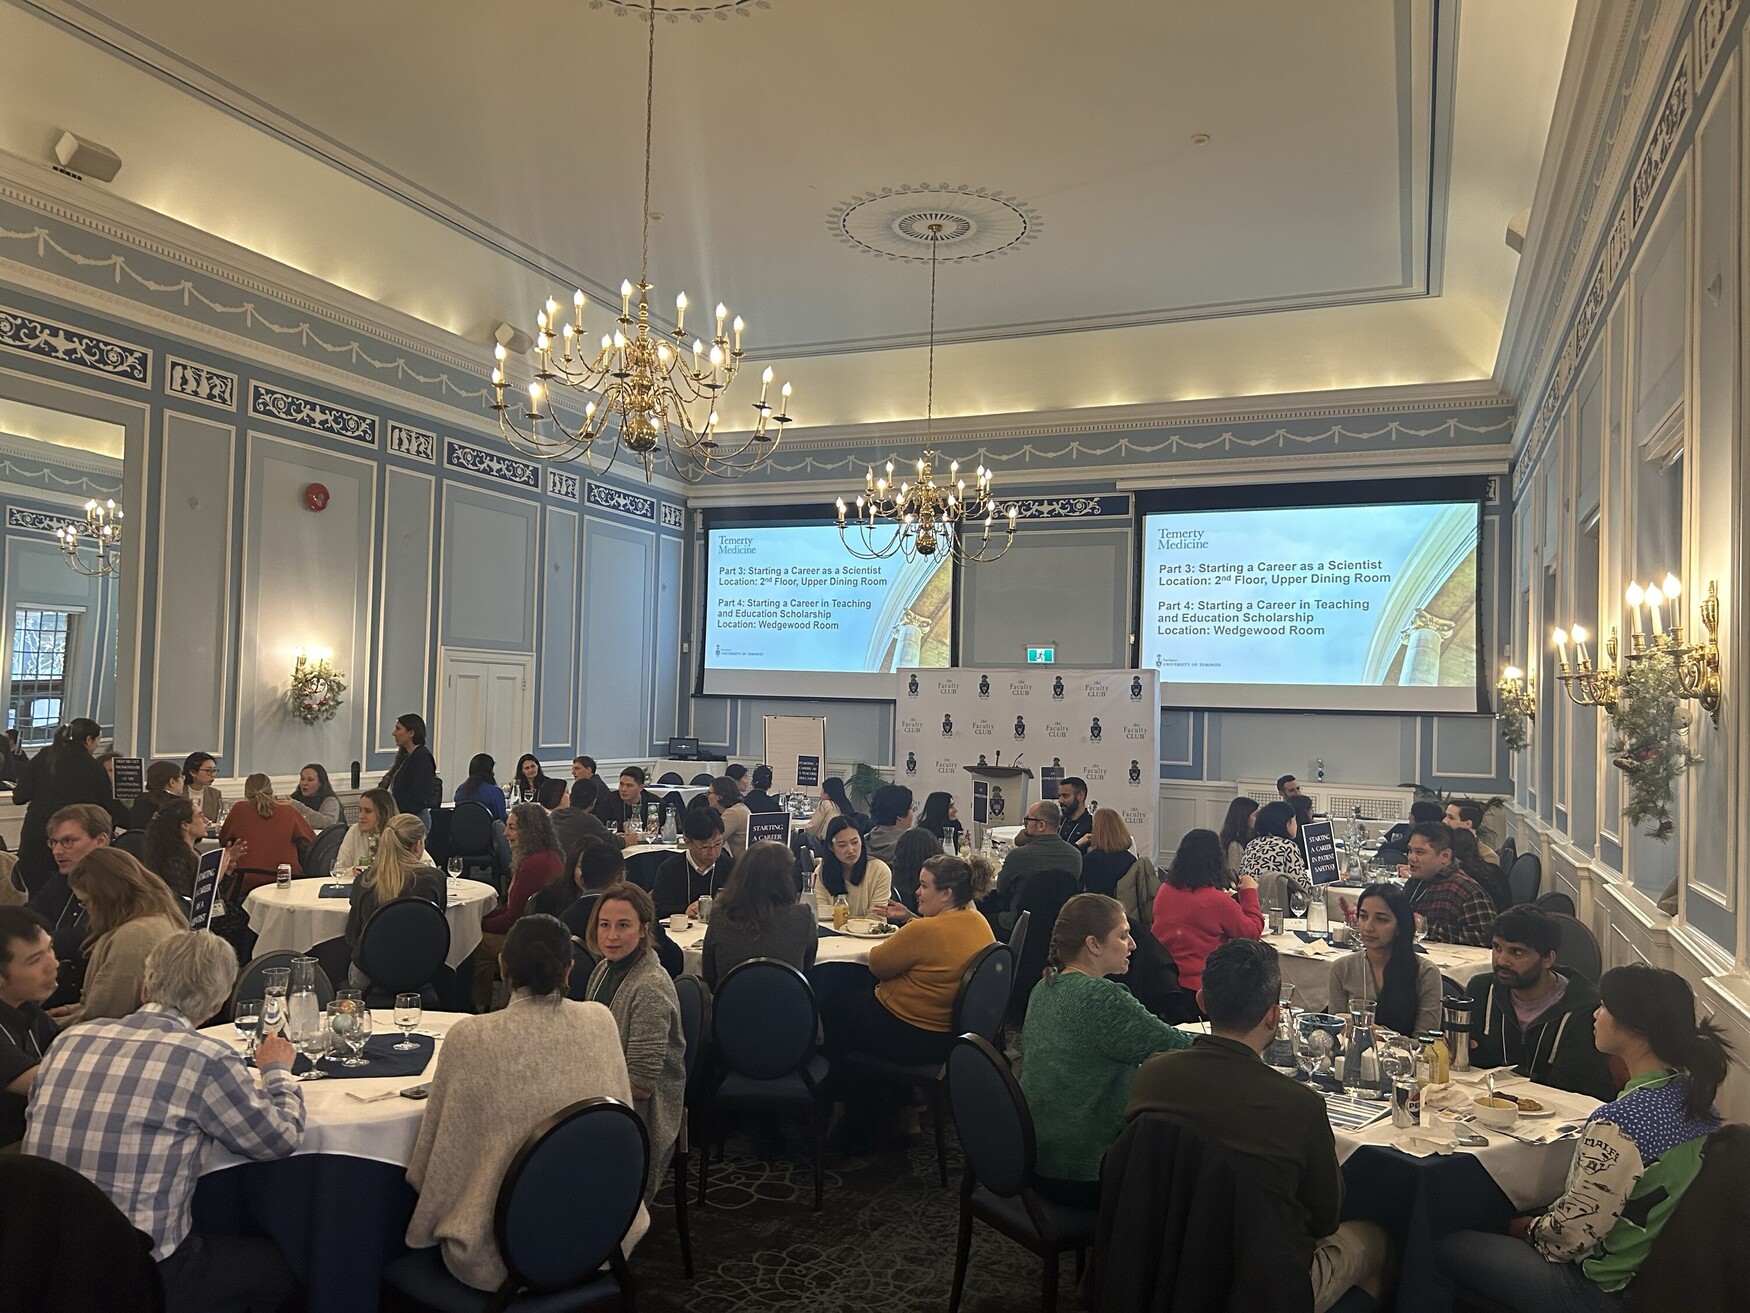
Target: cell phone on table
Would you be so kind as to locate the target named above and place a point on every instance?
(420, 1091)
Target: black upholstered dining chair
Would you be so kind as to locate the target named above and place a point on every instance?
(401, 948)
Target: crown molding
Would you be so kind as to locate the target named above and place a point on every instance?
(1319, 467)
(1280, 408)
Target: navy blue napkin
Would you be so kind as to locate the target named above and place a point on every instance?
(384, 1061)
(1307, 937)
(334, 891)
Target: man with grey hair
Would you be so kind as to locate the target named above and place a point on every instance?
(133, 1106)
(1039, 847)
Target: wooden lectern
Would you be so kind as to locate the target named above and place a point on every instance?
(1012, 782)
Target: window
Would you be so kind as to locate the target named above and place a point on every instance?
(38, 686)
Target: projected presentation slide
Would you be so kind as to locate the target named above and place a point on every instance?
(1347, 608)
(790, 613)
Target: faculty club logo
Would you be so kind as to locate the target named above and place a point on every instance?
(1020, 728)
(984, 686)
(1094, 729)
(1057, 688)
(911, 725)
(911, 763)
(947, 726)
(1136, 688)
(1135, 771)
(911, 687)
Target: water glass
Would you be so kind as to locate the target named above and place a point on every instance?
(455, 869)
(409, 1008)
(246, 1017)
(308, 1034)
(350, 1020)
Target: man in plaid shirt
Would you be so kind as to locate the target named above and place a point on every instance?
(132, 1105)
(1456, 909)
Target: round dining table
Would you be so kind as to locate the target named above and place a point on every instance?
(308, 912)
(833, 946)
(1307, 964)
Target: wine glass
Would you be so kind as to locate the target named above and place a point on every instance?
(455, 869)
(304, 1028)
(350, 1021)
(246, 1017)
(408, 1010)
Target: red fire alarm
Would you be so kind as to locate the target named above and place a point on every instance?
(316, 497)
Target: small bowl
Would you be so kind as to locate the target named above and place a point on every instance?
(1501, 1118)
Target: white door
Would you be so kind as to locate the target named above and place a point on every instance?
(483, 706)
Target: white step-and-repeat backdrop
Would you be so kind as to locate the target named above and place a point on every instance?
(1100, 725)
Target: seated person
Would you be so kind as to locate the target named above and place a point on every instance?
(569, 808)
(846, 870)
(129, 912)
(702, 869)
(759, 798)
(593, 867)
(359, 847)
(1453, 908)
(915, 847)
(399, 871)
(27, 980)
(627, 807)
(525, 785)
(758, 916)
(1084, 1037)
(1468, 854)
(163, 786)
(199, 770)
(1532, 1015)
(536, 863)
(1193, 911)
(1276, 1125)
(630, 980)
(1637, 1156)
(277, 836)
(890, 810)
(1467, 814)
(142, 1140)
(171, 850)
(1078, 820)
(481, 786)
(1402, 986)
(498, 1077)
(725, 796)
(1039, 847)
(314, 798)
(1272, 856)
(1422, 811)
(73, 832)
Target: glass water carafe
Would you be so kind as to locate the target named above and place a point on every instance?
(303, 1010)
(1361, 1058)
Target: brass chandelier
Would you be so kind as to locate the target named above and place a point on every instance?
(926, 518)
(650, 389)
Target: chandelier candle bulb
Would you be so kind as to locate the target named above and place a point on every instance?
(625, 298)
(577, 303)
(1671, 587)
(737, 326)
(1634, 597)
(1654, 601)
(1561, 641)
(784, 407)
(1579, 636)
(680, 313)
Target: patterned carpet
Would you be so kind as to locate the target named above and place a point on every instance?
(884, 1240)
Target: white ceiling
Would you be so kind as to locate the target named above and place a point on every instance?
(1341, 228)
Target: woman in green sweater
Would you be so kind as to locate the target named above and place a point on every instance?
(1083, 1040)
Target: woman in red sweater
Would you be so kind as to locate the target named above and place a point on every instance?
(535, 863)
(1195, 914)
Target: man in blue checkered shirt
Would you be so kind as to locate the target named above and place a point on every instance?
(133, 1105)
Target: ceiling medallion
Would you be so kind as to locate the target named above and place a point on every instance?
(675, 10)
(969, 223)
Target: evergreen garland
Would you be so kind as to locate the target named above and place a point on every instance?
(1515, 730)
(1650, 742)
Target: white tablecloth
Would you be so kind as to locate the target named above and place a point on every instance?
(1530, 1175)
(299, 918)
(1308, 966)
(831, 948)
(336, 1122)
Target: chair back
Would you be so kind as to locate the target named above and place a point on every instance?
(319, 856)
(1556, 901)
(1507, 852)
(1578, 951)
(703, 777)
(984, 992)
(252, 980)
(670, 777)
(54, 1221)
(1389, 857)
(690, 990)
(1043, 894)
(1018, 936)
(471, 832)
(131, 842)
(1524, 878)
(990, 1116)
(763, 1019)
(551, 1234)
(404, 944)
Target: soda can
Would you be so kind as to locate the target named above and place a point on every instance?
(1406, 1101)
(283, 876)
(704, 907)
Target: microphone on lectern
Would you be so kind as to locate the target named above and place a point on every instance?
(999, 756)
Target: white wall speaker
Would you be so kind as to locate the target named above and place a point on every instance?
(87, 158)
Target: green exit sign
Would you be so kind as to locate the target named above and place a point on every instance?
(1041, 656)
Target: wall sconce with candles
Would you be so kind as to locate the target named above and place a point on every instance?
(316, 687)
(1696, 665)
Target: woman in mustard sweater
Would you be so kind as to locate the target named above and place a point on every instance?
(918, 969)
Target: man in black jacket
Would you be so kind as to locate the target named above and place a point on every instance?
(1277, 1127)
(1532, 1016)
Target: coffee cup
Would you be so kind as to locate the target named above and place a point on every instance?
(678, 921)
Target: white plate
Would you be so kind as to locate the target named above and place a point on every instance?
(1547, 1112)
(863, 933)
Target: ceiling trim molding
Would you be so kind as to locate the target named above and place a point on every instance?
(1284, 408)
(1319, 467)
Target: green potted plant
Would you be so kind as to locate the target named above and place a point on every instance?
(1649, 743)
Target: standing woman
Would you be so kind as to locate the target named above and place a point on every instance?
(163, 786)
(198, 773)
(1637, 1156)
(481, 786)
(276, 835)
(314, 798)
(1236, 832)
(535, 863)
(847, 869)
(1084, 1038)
(59, 776)
(630, 981)
(526, 787)
(1388, 975)
(412, 776)
(1273, 856)
(359, 848)
(131, 912)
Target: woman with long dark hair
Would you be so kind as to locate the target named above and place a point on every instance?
(169, 850)
(1388, 975)
(915, 847)
(481, 786)
(163, 786)
(1194, 914)
(526, 785)
(60, 775)
(834, 789)
(1637, 1155)
(412, 776)
(1236, 832)
(847, 869)
(941, 818)
(757, 915)
(1273, 857)
(315, 800)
